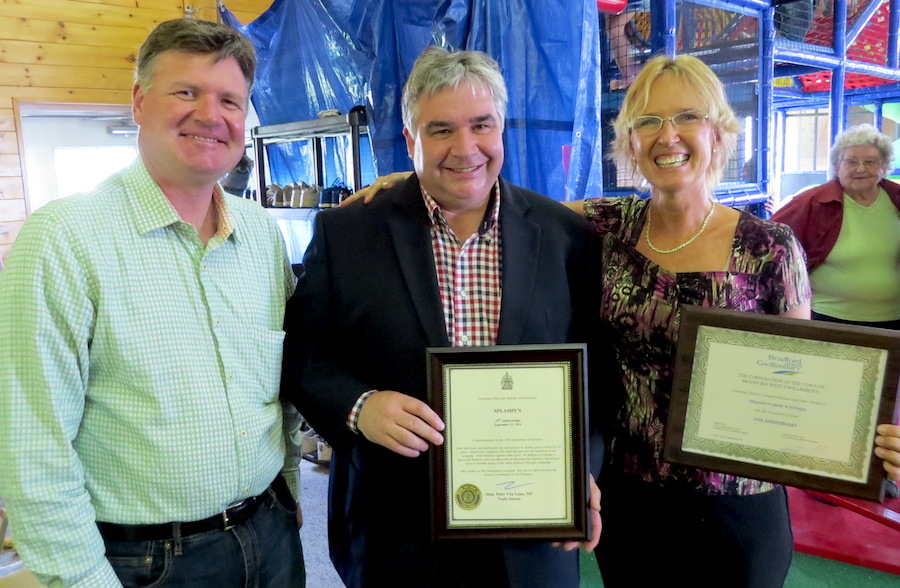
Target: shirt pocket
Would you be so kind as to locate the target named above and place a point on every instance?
(260, 362)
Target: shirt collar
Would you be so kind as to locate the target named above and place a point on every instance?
(489, 223)
(225, 226)
(833, 193)
(152, 210)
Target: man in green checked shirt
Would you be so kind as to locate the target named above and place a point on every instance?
(141, 434)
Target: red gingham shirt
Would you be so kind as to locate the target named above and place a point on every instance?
(468, 275)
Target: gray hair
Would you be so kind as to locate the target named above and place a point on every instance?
(197, 37)
(863, 135)
(437, 69)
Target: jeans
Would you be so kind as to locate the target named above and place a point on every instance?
(263, 552)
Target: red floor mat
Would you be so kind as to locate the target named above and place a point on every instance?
(839, 533)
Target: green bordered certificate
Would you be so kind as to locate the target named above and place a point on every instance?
(514, 459)
(784, 400)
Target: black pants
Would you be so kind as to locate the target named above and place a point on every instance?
(657, 537)
(893, 325)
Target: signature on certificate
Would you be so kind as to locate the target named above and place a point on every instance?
(511, 485)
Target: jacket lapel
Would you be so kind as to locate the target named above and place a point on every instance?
(412, 244)
(521, 243)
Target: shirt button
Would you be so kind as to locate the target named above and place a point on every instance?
(464, 338)
(243, 433)
(245, 490)
(230, 378)
(217, 323)
(463, 293)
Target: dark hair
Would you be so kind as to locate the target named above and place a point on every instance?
(194, 36)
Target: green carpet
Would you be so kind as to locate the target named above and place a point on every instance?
(806, 571)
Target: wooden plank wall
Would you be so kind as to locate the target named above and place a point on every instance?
(74, 51)
(246, 10)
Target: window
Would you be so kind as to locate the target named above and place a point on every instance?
(79, 169)
(806, 140)
(69, 148)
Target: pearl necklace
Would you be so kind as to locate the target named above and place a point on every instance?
(686, 243)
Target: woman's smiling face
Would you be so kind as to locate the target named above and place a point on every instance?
(675, 159)
(861, 169)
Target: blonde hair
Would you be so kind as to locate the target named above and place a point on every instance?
(695, 74)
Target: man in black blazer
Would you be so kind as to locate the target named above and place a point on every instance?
(452, 256)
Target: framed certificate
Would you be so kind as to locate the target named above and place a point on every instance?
(785, 400)
(515, 455)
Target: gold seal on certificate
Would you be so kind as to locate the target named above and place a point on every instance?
(468, 497)
(784, 400)
(514, 459)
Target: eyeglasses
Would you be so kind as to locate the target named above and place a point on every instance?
(854, 163)
(683, 121)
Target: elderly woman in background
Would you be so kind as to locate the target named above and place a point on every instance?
(664, 523)
(849, 228)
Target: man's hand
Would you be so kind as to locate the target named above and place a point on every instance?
(381, 183)
(596, 524)
(888, 449)
(403, 424)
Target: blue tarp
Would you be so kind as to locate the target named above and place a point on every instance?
(323, 54)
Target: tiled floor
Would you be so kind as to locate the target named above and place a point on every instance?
(320, 572)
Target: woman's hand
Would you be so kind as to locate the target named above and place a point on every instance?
(381, 183)
(596, 524)
(888, 449)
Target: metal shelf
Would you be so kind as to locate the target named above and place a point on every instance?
(293, 213)
(352, 124)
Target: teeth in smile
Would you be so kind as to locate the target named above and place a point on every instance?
(463, 170)
(207, 139)
(671, 160)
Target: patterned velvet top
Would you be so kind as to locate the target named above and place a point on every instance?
(640, 308)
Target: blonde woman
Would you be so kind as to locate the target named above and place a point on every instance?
(676, 130)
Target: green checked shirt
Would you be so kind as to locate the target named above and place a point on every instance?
(139, 369)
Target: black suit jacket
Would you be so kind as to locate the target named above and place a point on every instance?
(365, 310)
